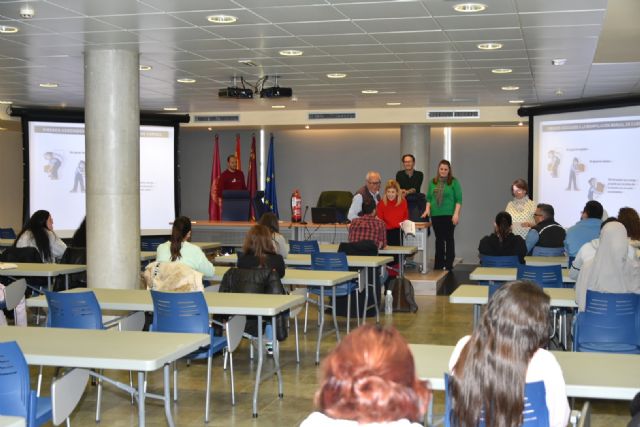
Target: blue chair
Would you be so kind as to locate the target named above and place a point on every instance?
(534, 414)
(610, 324)
(335, 261)
(75, 310)
(235, 205)
(17, 397)
(187, 312)
(7, 233)
(499, 261)
(546, 276)
(303, 247)
(540, 251)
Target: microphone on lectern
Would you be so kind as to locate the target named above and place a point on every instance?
(303, 222)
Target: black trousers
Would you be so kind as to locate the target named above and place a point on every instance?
(445, 245)
(393, 239)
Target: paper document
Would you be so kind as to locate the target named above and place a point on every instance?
(408, 227)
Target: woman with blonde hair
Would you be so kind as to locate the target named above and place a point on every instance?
(392, 209)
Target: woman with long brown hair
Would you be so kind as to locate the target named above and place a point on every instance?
(38, 233)
(258, 251)
(490, 368)
(180, 249)
(629, 218)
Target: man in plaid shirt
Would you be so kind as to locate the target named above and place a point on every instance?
(368, 226)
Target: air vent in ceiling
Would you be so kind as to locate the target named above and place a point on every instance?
(454, 114)
(209, 119)
(331, 116)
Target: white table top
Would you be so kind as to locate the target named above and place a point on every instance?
(587, 375)
(218, 303)
(305, 260)
(547, 260)
(479, 294)
(387, 250)
(102, 349)
(147, 255)
(5, 243)
(42, 270)
(506, 274)
(7, 421)
(207, 246)
(303, 277)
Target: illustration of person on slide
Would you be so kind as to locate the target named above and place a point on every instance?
(554, 162)
(54, 162)
(595, 189)
(576, 168)
(79, 178)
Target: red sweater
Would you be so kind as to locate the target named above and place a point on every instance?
(392, 214)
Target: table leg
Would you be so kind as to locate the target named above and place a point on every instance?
(66, 282)
(49, 287)
(321, 326)
(425, 251)
(375, 292)
(167, 394)
(276, 357)
(335, 319)
(366, 294)
(141, 395)
(477, 310)
(259, 368)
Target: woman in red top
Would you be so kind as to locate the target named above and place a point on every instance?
(393, 209)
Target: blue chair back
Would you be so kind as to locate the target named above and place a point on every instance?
(16, 396)
(333, 261)
(235, 205)
(540, 251)
(75, 310)
(547, 276)
(609, 323)
(494, 286)
(499, 261)
(534, 414)
(180, 312)
(303, 247)
(7, 233)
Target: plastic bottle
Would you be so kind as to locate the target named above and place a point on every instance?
(388, 303)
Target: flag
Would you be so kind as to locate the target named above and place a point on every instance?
(252, 177)
(270, 196)
(238, 151)
(214, 207)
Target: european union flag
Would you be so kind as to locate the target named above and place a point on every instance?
(270, 196)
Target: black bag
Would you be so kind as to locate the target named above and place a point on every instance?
(403, 295)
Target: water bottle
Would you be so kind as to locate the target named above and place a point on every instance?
(388, 303)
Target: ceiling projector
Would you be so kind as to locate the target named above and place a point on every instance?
(235, 92)
(276, 92)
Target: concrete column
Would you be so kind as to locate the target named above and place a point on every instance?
(416, 139)
(112, 133)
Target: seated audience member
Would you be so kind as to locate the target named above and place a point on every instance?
(546, 233)
(370, 379)
(370, 192)
(270, 220)
(634, 409)
(19, 312)
(585, 230)
(79, 239)
(629, 218)
(179, 249)
(368, 226)
(258, 251)
(610, 270)
(490, 368)
(392, 209)
(521, 208)
(409, 179)
(38, 233)
(503, 242)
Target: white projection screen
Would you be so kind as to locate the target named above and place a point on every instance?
(587, 155)
(57, 175)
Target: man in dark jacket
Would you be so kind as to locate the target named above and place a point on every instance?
(547, 233)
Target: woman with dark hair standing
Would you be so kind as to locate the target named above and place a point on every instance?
(270, 220)
(444, 200)
(258, 251)
(521, 208)
(490, 368)
(503, 242)
(179, 249)
(370, 378)
(38, 233)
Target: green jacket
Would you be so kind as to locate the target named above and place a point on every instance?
(452, 196)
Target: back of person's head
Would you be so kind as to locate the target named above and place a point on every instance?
(258, 242)
(370, 377)
(629, 218)
(270, 220)
(547, 210)
(503, 225)
(608, 220)
(613, 241)
(593, 209)
(491, 370)
(368, 207)
(181, 228)
(37, 226)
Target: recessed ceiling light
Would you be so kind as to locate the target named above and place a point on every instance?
(469, 7)
(502, 70)
(516, 101)
(559, 61)
(388, 92)
(391, 104)
(6, 29)
(559, 92)
(510, 87)
(291, 52)
(490, 46)
(278, 107)
(49, 85)
(170, 108)
(369, 91)
(144, 67)
(185, 80)
(3, 102)
(336, 75)
(222, 19)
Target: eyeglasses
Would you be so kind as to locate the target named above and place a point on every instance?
(537, 214)
(374, 182)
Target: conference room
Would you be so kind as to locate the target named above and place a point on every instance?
(370, 81)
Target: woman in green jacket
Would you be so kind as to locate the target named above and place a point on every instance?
(444, 200)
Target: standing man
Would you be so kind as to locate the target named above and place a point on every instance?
(585, 230)
(410, 180)
(547, 233)
(368, 226)
(231, 178)
(368, 192)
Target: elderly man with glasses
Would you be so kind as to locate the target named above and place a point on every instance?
(546, 234)
(368, 192)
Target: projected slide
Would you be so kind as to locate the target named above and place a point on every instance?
(57, 175)
(588, 159)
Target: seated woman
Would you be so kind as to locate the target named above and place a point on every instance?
(490, 368)
(502, 242)
(370, 378)
(392, 209)
(611, 269)
(258, 251)
(179, 249)
(270, 220)
(38, 233)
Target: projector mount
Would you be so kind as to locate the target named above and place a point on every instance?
(245, 92)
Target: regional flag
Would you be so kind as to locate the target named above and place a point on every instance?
(270, 196)
(214, 197)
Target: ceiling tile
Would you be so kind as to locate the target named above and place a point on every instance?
(398, 25)
(102, 7)
(466, 22)
(383, 10)
(321, 28)
(299, 13)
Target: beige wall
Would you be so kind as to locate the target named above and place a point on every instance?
(11, 180)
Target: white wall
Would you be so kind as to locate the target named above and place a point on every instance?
(11, 180)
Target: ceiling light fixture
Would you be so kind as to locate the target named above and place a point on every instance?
(502, 70)
(142, 67)
(470, 7)
(559, 92)
(6, 29)
(4, 102)
(558, 61)
(170, 108)
(278, 107)
(490, 46)
(222, 19)
(369, 91)
(516, 101)
(392, 104)
(336, 75)
(247, 62)
(510, 87)
(48, 85)
(185, 80)
(291, 52)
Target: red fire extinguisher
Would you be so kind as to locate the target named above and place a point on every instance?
(296, 206)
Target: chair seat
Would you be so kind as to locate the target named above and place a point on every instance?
(341, 290)
(217, 345)
(609, 347)
(43, 410)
